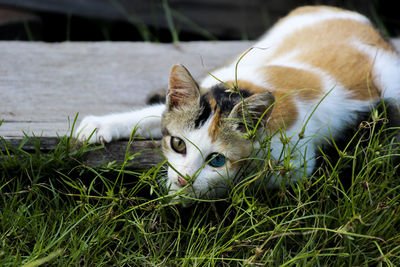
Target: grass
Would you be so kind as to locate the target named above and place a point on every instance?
(55, 210)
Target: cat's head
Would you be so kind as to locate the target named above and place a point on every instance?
(206, 137)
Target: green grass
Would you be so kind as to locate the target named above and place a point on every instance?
(55, 210)
(58, 211)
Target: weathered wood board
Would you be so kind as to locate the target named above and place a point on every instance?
(43, 86)
(220, 18)
(246, 18)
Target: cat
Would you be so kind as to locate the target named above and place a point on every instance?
(304, 82)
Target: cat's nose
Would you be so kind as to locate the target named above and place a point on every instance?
(181, 181)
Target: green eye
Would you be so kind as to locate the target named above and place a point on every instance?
(178, 145)
(216, 160)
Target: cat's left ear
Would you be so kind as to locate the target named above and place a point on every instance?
(182, 89)
(252, 109)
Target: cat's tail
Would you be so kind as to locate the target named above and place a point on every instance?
(392, 108)
(156, 97)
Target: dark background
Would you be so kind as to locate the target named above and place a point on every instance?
(164, 20)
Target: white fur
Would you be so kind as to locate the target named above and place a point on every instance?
(120, 126)
(386, 70)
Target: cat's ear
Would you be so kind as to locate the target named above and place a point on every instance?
(182, 88)
(248, 112)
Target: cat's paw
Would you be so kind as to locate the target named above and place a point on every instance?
(96, 130)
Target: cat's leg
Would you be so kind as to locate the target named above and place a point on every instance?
(111, 127)
(293, 164)
(302, 163)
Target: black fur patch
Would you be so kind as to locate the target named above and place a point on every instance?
(157, 97)
(204, 114)
(225, 101)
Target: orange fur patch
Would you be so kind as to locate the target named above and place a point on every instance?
(336, 55)
(214, 128)
(252, 88)
(285, 113)
(212, 102)
(303, 84)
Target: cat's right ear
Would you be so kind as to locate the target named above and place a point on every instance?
(182, 89)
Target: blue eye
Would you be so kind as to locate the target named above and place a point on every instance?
(216, 160)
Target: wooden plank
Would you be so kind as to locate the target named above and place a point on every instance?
(245, 17)
(220, 18)
(46, 143)
(43, 88)
(9, 16)
(147, 154)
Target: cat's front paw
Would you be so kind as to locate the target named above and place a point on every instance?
(95, 130)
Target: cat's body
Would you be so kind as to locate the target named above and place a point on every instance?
(304, 82)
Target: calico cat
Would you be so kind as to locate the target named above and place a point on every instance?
(303, 83)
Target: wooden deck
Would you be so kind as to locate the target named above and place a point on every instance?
(43, 86)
